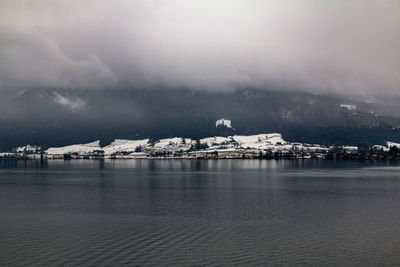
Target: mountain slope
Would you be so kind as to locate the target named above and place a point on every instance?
(55, 117)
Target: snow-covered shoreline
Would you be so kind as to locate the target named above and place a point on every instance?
(270, 145)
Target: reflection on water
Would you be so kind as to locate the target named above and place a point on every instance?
(193, 212)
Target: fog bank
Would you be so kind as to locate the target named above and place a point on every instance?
(349, 47)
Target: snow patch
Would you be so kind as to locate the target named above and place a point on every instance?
(382, 148)
(351, 148)
(348, 107)
(28, 149)
(224, 122)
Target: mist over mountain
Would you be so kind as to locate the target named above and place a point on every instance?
(316, 71)
(54, 117)
(346, 47)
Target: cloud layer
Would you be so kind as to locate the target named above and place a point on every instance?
(318, 46)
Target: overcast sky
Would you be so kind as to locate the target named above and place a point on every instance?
(340, 46)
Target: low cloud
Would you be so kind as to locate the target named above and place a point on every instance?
(349, 47)
(70, 103)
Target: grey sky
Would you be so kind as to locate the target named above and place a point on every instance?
(313, 45)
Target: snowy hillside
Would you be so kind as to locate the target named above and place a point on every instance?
(260, 141)
(272, 141)
(80, 149)
(124, 145)
(173, 144)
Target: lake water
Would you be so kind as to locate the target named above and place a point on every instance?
(198, 212)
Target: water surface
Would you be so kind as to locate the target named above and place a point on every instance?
(198, 212)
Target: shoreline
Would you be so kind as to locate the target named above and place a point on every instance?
(203, 159)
